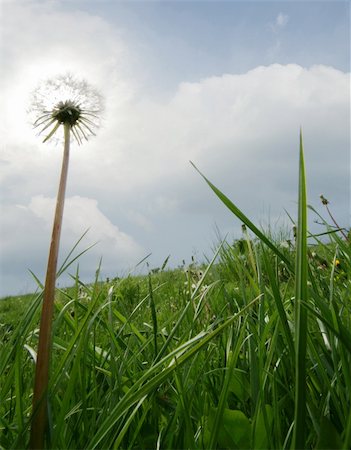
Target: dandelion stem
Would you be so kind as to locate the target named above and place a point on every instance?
(40, 395)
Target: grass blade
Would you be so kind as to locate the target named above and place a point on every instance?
(243, 218)
(299, 432)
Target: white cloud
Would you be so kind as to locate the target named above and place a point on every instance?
(212, 121)
(281, 20)
(82, 213)
(55, 42)
(26, 231)
(241, 130)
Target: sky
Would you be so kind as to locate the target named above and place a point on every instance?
(226, 85)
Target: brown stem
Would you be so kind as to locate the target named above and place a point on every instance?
(39, 414)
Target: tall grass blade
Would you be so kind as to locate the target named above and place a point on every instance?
(39, 283)
(153, 315)
(67, 262)
(243, 218)
(301, 270)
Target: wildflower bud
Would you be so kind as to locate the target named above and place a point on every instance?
(323, 200)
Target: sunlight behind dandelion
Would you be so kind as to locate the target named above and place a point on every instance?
(66, 99)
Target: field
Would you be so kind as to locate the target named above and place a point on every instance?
(251, 350)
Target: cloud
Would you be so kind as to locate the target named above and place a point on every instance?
(281, 20)
(223, 121)
(56, 41)
(26, 231)
(241, 130)
(215, 117)
(276, 49)
(81, 214)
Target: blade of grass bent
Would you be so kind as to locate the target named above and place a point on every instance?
(39, 283)
(67, 262)
(299, 432)
(243, 218)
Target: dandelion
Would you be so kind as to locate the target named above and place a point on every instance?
(75, 105)
(324, 200)
(66, 100)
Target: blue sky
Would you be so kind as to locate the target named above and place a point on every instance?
(177, 41)
(224, 84)
(188, 40)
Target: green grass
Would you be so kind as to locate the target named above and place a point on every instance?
(252, 350)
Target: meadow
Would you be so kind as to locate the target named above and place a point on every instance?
(251, 350)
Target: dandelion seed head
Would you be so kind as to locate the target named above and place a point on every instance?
(66, 99)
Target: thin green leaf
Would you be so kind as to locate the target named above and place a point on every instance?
(299, 433)
(243, 218)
